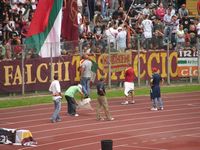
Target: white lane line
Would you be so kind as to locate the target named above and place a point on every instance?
(128, 131)
(197, 135)
(130, 114)
(194, 105)
(34, 107)
(111, 127)
(47, 108)
(145, 148)
(112, 111)
(89, 119)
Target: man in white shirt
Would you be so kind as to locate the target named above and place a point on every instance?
(168, 26)
(147, 26)
(55, 89)
(111, 34)
(180, 38)
(121, 39)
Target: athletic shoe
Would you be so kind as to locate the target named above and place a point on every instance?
(154, 109)
(132, 102)
(111, 119)
(53, 121)
(100, 119)
(125, 103)
(58, 120)
(76, 115)
(161, 108)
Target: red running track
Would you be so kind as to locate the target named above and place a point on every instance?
(135, 127)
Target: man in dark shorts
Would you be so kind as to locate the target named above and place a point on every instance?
(155, 90)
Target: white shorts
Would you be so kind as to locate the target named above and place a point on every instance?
(128, 87)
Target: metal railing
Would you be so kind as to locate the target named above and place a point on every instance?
(18, 62)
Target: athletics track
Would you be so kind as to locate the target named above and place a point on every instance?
(135, 127)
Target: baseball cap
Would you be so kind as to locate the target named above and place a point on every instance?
(154, 69)
(80, 86)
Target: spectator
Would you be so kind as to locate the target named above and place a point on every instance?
(98, 35)
(90, 7)
(171, 9)
(146, 10)
(1, 33)
(180, 38)
(8, 51)
(84, 27)
(193, 35)
(198, 33)
(167, 30)
(166, 3)
(179, 3)
(97, 18)
(111, 34)
(160, 12)
(183, 11)
(2, 52)
(80, 6)
(114, 4)
(198, 29)
(175, 24)
(158, 33)
(121, 39)
(98, 5)
(147, 27)
(104, 7)
(33, 4)
(187, 38)
(185, 21)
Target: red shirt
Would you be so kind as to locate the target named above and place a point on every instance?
(129, 74)
(198, 7)
(160, 12)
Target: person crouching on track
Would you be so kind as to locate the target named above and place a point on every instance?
(102, 101)
(71, 102)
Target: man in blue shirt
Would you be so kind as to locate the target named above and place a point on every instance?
(155, 90)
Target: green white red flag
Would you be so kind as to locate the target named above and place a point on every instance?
(45, 28)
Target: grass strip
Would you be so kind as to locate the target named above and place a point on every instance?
(111, 93)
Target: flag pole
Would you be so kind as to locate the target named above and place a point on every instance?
(128, 11)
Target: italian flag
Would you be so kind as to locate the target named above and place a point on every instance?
(45, 28)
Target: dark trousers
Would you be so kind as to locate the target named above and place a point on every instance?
(71, 105)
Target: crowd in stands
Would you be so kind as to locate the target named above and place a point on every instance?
(15, 18)
(116, 25)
